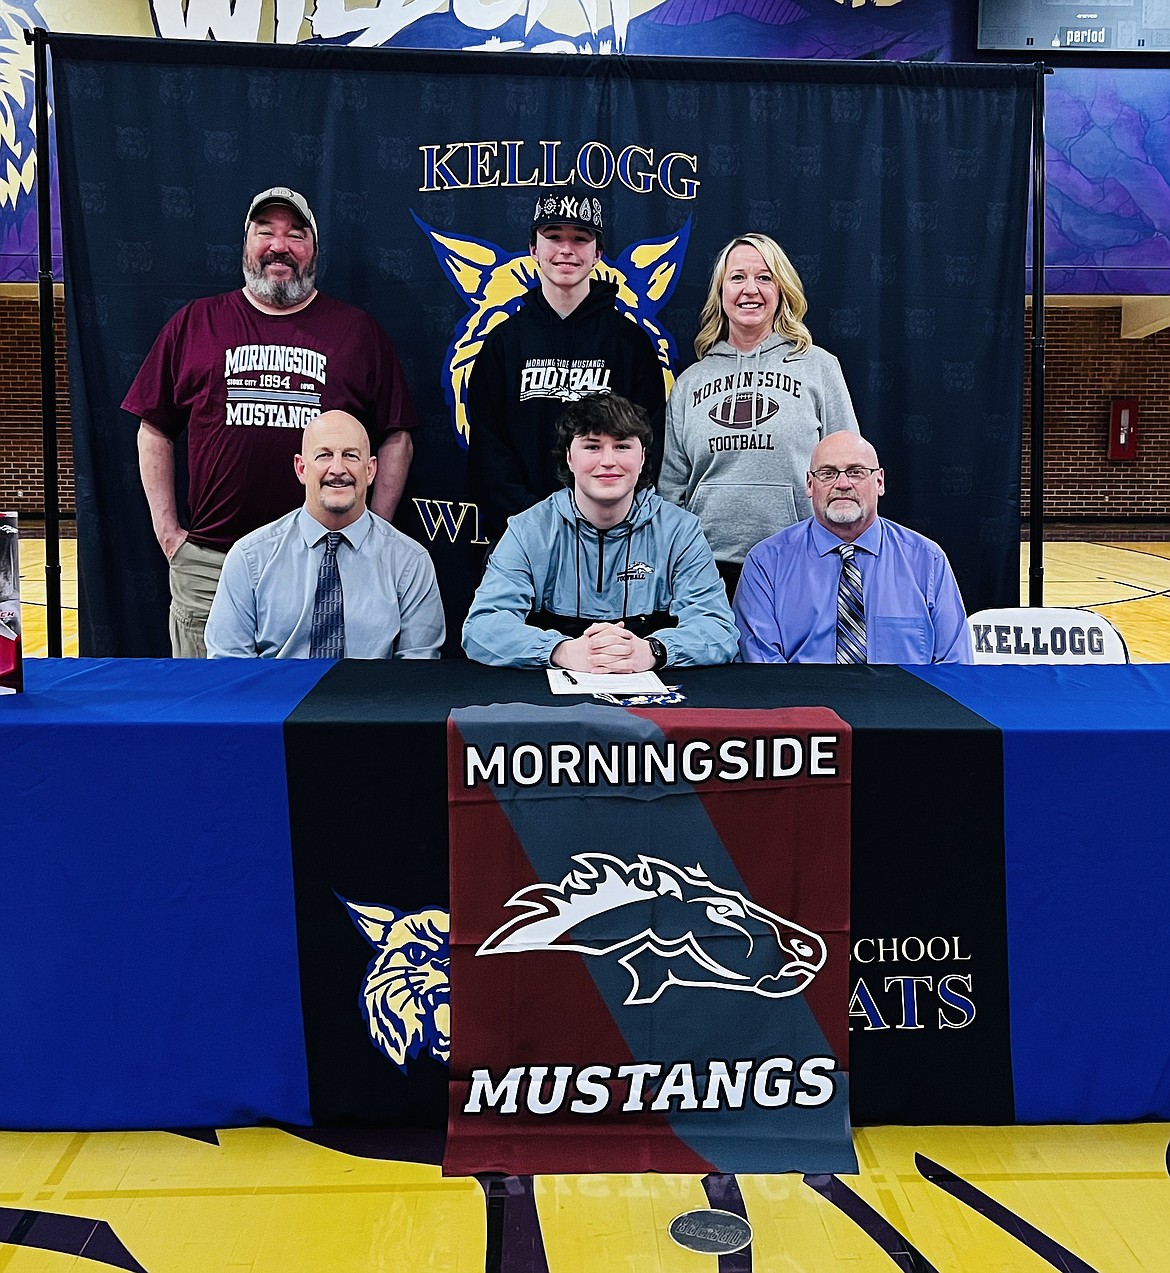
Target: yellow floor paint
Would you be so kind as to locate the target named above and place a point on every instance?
(263, 1201)
(794, 1228)
(617, 1223)
(1101, 1192)
(259, 1200)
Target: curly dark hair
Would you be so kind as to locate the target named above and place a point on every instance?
(607, 414)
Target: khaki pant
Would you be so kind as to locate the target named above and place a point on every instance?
(194, 575)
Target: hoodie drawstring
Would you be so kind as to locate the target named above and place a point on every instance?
(754, 355)
(577, 528)
(628, 521)
(626, 592)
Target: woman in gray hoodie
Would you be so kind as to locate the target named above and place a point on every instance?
(743, 420)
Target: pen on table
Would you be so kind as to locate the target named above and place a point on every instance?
(569, 677)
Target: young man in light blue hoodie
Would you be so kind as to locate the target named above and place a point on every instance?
(603, 576)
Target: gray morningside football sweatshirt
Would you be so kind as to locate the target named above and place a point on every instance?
(740, 429)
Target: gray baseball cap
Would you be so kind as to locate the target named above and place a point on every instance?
(282, 194)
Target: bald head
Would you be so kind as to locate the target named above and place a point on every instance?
(336, 468)
(338, 426)
(843, 449)
(845, 505)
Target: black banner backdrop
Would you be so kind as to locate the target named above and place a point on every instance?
(898, 189)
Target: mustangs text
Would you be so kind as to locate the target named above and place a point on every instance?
(641, 1087)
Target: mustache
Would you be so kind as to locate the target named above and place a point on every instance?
(278, 258)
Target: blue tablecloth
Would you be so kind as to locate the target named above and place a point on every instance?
(151, 969)
(148, 958)
(1086, 775)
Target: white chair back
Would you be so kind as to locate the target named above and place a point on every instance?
(1045, 634)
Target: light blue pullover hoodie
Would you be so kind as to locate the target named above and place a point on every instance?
(550, 558)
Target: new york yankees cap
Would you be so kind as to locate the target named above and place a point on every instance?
(569, 205)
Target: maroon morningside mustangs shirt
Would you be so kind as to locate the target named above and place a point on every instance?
(244, 384)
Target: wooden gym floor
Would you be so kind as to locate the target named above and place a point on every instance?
(1128, 583)
(261, 1200)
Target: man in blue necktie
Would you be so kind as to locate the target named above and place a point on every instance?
(845, 585)
(332, 579)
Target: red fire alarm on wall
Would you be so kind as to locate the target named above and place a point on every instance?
(1123, 423)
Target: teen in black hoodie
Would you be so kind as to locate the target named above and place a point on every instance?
(565, 341)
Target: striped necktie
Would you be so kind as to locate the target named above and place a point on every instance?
(327, 635)
(850, 610)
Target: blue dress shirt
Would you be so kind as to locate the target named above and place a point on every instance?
(786, 602)
(263, 606)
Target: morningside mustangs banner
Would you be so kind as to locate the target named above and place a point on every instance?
(649, 940)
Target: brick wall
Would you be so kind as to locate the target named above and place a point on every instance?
(1086, 362)
(21, 485)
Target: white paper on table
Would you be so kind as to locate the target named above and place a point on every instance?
(620, 684)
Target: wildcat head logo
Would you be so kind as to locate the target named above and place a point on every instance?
(668, 925)
(493, 282)
(406, 997)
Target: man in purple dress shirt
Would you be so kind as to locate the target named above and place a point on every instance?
(906, 608)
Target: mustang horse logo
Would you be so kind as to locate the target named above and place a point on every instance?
(493, 282)
(669, 926)
(406, 997)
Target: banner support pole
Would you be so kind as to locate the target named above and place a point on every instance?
(38, 38)
(1036, 473)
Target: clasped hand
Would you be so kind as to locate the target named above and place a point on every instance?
(605, 647)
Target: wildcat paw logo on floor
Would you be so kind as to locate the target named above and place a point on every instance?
(406, 996)
(661, 906)
(492, 283)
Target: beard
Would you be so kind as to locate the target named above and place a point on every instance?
(281, 293)
(843, 512)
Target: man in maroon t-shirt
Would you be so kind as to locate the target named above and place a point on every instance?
(243, 373)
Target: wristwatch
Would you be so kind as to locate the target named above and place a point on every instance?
(658, 650)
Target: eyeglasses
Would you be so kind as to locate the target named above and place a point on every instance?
(855, 473)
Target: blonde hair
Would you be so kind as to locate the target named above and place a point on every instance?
(790, 309)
